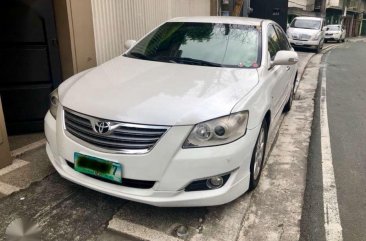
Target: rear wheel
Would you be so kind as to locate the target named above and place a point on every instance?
(258, 157)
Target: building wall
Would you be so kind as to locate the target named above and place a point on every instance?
(75, 34)
(334, 3)
(307, 5)
(116, 21)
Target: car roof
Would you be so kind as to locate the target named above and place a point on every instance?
(219, 19)
(309, 18)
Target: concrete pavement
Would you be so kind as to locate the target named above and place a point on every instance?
(65, 211)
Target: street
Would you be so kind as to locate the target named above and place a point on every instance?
(288, 203)
(345, 93)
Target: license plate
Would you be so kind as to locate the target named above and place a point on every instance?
(98, 167)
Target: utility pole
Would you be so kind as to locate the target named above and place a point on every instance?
(323, 8)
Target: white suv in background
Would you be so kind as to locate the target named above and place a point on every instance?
(307, 32)
(182, 118)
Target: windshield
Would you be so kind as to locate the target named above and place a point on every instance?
(208, 44)
(306, 23)
(333, 28)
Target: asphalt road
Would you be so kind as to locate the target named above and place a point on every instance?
(346, 99)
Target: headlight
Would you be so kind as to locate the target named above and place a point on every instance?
(218, 131)
(317, 36)
(54, 102)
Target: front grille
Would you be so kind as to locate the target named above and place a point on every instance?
(302, 37)
(125, 182)
(124, 137)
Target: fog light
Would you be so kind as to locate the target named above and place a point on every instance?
(215, 182)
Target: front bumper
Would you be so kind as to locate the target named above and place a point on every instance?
(305, 44)
(332, 37)
(171, 167)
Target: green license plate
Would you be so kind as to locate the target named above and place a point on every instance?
(98, 167)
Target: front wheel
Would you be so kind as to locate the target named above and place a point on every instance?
(258, 157)
(288, 105)
(318, 49)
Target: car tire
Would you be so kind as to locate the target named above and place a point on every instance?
(258, 156)
(318, 50)
(288, 105)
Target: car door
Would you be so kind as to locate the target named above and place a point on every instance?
(277, 74)
(290, 73)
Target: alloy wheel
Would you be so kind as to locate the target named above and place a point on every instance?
(259, 154)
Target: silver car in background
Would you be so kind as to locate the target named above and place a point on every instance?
(307, 32)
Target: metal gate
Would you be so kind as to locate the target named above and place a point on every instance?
(275, 10)
(363, 29)
(29, 62)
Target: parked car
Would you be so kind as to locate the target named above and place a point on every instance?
(335, 33)
(307, 32)
(180, 119)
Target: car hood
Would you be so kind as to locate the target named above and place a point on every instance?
(157, 93)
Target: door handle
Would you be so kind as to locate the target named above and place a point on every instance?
(288, 68)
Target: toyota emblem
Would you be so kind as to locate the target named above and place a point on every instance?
(102, 127)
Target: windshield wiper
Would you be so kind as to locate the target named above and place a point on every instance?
(138, 56)
(191, 61)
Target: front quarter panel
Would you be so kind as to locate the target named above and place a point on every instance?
(257, 103)
(67, 84)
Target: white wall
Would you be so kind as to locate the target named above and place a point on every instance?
(115, 21)
(333, 3)
(302, 4)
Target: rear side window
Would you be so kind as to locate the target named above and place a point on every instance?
(273, 42)
(283, 41)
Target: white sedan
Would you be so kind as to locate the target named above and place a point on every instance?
(335, 32)
(182, 118)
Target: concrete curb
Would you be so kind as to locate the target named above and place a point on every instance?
(138, 231)
(20, 174)
(20, 151)
(17, 166)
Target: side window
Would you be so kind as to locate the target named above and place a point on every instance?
(273, 42)
(284, 44)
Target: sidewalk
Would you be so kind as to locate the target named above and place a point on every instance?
(30, 163)
(357, 39)
(270, 213)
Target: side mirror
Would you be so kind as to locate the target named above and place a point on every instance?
(129, 43)
(285, 57)
(325, 28)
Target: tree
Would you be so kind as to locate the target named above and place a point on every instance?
(238, 7)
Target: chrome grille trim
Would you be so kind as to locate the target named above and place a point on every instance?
(124, 138)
